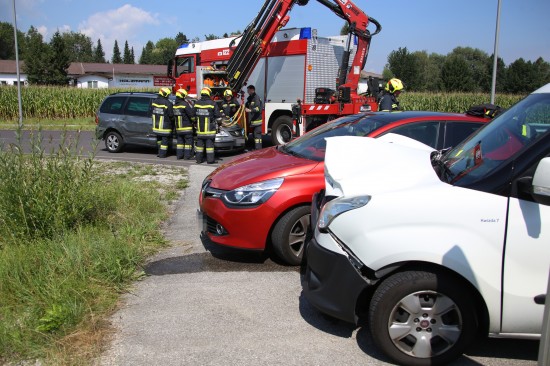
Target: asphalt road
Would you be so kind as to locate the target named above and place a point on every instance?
(204, 305)
(84, 143)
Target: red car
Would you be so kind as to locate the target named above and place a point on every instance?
(262, 199)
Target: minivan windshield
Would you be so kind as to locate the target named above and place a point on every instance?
(496, 143)
(312, 145)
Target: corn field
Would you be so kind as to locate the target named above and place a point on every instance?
(48, 102)
(45, 102)
(452, 102)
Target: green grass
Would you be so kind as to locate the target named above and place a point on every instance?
(73, 124)
(73, 235)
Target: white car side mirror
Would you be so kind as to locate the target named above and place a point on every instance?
(541, 179)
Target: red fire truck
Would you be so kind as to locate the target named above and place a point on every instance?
(304, 79)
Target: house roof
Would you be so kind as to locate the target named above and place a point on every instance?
(9, 66)
(83, 68)
(87, 68)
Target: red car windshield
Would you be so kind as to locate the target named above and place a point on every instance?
(312, 145)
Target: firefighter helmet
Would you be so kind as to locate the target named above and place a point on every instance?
(206, 91)
(164, 92)
(181, 93)
(228, 93)
(394, 85)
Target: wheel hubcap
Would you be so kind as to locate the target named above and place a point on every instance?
(425, 324)
(112, 142)
(299, 234)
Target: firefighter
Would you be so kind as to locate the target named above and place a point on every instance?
(389, 102)
(254, 109)
(207, 116)
(184, 114)
(230, 105)
(162, 120)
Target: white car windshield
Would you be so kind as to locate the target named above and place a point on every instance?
(497, 142)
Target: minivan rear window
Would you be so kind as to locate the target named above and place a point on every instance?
(113, 105)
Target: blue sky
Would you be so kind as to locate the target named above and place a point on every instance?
(431, 25)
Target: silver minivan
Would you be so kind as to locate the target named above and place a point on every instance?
(125, 119)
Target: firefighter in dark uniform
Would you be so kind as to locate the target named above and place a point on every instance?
(162, 120)
(208, 116)
(230, 105)
(389, 102)
(184, 114)
(254, 109)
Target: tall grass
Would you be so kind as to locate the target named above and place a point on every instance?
(71, 238)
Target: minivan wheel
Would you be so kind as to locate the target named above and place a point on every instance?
(113, 142)
(291, 234)
(422, 318)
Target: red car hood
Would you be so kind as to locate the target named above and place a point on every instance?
(258, 166)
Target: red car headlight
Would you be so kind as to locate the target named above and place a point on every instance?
(252, 194)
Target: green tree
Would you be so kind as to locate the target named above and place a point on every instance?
(345, 29)
(210, 37)
(132, 56)
(59, 61)
(116, 59)
(99, 55)
(541, 72)
(386, 73)
(164, 50)
(456, 74)
(36, 56)
(7, 42)
(404, 66)
(127, 56)
(146, 57)
(429, 71)
(181, 39)
(477, 61)
(78, 46)
(519, 77)
(501, 74)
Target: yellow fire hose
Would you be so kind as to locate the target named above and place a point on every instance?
(238, 118)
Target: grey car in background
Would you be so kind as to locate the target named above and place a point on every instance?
(125, 119)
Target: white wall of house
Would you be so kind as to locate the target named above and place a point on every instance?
(8, 79)
(131, 81)
(92, 82)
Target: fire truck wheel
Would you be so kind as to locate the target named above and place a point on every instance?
(281, 132)
(291, 234)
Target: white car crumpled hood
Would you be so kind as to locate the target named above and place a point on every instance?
(365, 165)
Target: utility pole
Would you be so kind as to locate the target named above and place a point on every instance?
(495, 57)
(17, 67)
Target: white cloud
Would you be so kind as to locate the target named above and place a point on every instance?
(43, 30)
(64, 28)
(120, 24)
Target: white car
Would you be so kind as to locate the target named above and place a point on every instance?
(433, 249)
